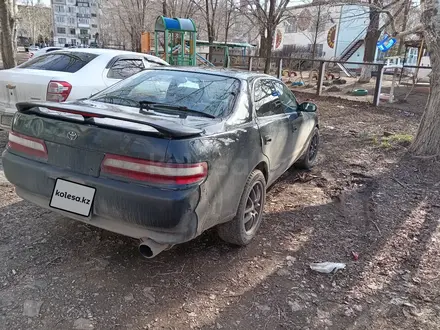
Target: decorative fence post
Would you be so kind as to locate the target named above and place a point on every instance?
(320, 78)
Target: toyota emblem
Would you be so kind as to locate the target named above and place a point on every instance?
(72, 135)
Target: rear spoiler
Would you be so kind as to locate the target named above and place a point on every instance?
(165, 127)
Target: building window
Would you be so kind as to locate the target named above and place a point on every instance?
(72, 20)
(291, 26)
(72, 31)
(94, 26)
(61, 30)
(62, 41)
(59, 9)
(93, 15)
(83, 21)
(318, 50)
(83, 31)
(73, 42)
(71, 9)
(59, 19)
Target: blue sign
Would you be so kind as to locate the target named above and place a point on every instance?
(386, 43)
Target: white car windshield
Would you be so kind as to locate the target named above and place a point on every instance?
(207, 93)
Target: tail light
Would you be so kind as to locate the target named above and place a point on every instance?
(27, 145)
(58, 91)
(154, 172)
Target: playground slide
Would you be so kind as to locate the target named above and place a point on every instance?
(344, 69)
(204, 61)
(199, 57)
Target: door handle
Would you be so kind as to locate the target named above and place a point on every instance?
(267, 139)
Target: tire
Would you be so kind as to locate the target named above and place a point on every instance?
(238, 231)
(310, 157)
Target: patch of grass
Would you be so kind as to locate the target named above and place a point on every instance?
(393, 140)
(399, 138)
(385, 144)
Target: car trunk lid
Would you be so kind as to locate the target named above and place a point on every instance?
(21, 85)
(77, 137)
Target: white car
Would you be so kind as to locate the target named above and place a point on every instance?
(42, 51)
(33, 48)
(68, 74)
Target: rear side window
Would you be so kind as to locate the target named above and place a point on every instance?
(125, 68)
(264, 98)
(62, 62)
(51, 49)
(152, 64)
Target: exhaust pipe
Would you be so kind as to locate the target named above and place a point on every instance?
(149, 248)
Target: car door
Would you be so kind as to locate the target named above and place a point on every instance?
(274, 125)
(121, 68)
(296, 120)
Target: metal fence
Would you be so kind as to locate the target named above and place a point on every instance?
(332, 77)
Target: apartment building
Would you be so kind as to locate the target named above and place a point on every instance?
(75, 22)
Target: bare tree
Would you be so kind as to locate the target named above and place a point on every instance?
(267, 14)
(209, 11)
(317, 31)
(8, 19)
(180, 8)
(132, 17)
(35, 19)
(230, 15)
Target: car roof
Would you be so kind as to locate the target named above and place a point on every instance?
(109, 52)
(233, 73)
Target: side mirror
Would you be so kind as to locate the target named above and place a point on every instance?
(308, 107)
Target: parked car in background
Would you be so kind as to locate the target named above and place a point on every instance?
(33, 48)
(67, 74)
(42, 51)
(164, 155)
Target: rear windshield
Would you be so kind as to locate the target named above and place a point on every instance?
(207, 93)
(61, 62)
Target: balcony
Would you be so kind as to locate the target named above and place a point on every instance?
(84, 36)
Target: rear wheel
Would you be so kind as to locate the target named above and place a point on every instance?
(310, 157)
(243, 228)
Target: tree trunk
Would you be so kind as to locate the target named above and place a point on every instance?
(164, 8)
(268, 51)
(427, 140)
(315, 37)
(7, 23)
(371, 38)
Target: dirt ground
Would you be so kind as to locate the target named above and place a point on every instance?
(406, 96)
(365, 198)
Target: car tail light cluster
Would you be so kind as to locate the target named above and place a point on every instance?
(27, 145)
(58, 91)
(154, 172)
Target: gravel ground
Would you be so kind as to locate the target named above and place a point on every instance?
(366, 204)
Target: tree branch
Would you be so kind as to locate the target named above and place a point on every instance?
(414, 30)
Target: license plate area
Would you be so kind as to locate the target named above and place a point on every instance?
(72, 197)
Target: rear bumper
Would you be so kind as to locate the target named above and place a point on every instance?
(165, 216)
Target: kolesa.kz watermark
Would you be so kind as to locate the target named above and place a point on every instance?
(72, 197)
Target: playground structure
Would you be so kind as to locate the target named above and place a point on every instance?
(175, 41)
(176, 32)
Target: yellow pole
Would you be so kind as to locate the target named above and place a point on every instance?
(420, 53)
